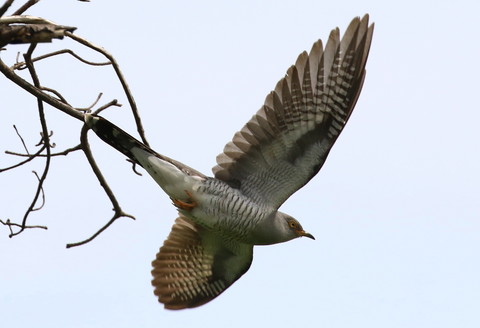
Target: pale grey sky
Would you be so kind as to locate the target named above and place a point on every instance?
(395, 209)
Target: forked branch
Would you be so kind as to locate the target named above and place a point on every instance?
(118, 212)
(31, 30)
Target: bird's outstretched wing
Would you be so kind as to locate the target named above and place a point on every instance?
(195, 265)
(287, 141)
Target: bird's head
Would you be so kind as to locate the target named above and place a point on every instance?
(296, 228)
(279, 228)
(293, 227)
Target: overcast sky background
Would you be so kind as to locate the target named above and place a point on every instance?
(395, 209)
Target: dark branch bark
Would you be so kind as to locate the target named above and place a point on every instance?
(30, 157)
(11, 224)
(21, 65)
(5, 6)
(37, 92)
(39, 153)
(25, 6)
(32, 33)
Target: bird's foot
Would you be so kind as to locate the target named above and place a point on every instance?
(187, 205)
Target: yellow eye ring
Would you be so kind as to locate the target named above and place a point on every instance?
(292, 224)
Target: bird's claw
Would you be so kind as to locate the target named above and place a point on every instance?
(187, 205)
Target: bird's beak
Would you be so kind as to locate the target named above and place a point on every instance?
(306, 234)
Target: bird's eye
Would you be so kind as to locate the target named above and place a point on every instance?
(292, 224)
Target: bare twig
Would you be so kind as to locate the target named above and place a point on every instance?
(42, 192)
(116, 206)
(42, 139)
(21, 139)
(10, 224)
(89, 108)
(62, 153)
(30, 157)
(134, 167)
(46, 142)
(25, 6)
(21, 65)
(116, 216)
(56, 93)
(4, 8)
(67, 151)
(114, 102)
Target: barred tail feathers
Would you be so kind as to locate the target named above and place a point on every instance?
(114, 136)
(129, 146)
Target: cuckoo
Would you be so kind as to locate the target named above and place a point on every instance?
(283, 146)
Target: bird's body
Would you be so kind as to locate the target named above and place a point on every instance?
(277, 152)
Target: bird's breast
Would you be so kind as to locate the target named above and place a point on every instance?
(226, 210)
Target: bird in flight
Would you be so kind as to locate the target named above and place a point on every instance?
(283, 146)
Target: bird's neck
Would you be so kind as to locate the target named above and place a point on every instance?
(271, 230)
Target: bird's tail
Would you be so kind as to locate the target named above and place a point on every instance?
(127, 145)
(114, 136)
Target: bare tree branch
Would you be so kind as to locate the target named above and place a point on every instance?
(39, 154)
(41, 142)
(25, 6)
(4, 8)
(30, 157)
(37, 92)
(46, 143)
(120, 76)
(56, 93)
(114, 102)
(41, 191)
(24, 19)
(10, 224)
(116, 206)
(21, 65)
(21, 139)
(29, 29)
(89, 108)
